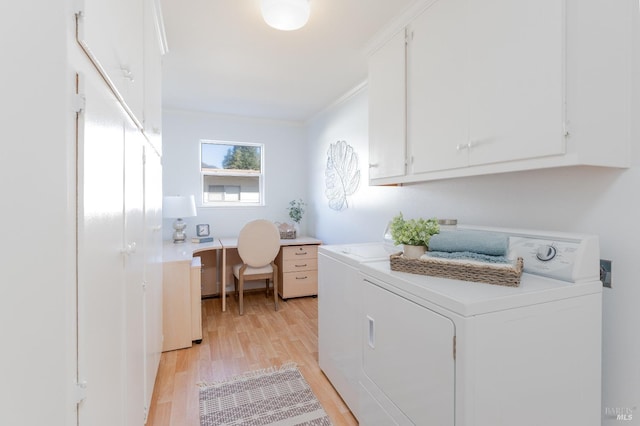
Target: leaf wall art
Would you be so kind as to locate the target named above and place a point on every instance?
(342, 175)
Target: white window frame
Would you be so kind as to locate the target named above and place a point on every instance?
(230, 172)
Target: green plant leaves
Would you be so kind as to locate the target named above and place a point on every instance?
(415, 232)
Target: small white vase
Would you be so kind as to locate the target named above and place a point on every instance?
(413, 252)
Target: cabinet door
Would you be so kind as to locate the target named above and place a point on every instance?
(437, 80)
(209, 276)
(152, 268)
(408, 354)
(133, 331)
(387, 119)
(176, 305)
(516, 51)
(111, 33)
(101, 302)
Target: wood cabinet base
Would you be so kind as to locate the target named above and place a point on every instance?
(181, 312)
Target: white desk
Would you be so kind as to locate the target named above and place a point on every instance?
(184, 252)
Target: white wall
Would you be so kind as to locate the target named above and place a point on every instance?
(285, 167)
(586, 200)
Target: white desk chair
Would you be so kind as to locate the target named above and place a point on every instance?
(258, 246)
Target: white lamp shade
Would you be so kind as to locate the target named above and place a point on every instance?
(286, 15)
(179, 206)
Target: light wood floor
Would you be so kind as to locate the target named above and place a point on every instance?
(233, 344)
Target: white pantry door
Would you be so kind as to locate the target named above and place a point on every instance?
(134, 275)
(101, 278)
(152, 268)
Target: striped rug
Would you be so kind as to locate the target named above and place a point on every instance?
(275, 396)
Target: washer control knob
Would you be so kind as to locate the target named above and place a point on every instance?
(546, 253)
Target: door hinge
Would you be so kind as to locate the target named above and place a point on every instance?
(454, 347)
(78, 102)
(81, 391)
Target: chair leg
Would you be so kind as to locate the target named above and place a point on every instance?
(241, 294)
(235, 286)
(275, 285)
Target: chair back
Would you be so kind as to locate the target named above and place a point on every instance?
(259, 243)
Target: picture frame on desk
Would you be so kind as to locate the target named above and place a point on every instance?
(202, 230)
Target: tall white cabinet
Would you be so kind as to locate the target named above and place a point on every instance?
(119, 219)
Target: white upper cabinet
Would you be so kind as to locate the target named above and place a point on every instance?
(507, 85)
(111, 33)
(438, 107)
(515, 73)
(387, 118)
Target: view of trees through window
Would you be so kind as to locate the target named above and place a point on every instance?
(231, 173)
(242, 158)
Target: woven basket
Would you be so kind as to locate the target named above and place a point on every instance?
(488, 273)
(287, 231)
(288, 235)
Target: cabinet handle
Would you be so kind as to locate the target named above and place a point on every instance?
(301, 253)
(300, 266)
(129, 249)
(372, 332)
(468, 145)
(302, 278)
(373, 165)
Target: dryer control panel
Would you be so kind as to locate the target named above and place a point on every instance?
(558, 259)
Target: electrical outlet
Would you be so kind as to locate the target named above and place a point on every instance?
(605, 273)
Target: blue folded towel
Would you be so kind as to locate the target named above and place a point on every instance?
(467, 255)
(462, 240)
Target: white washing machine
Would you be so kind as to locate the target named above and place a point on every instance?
(436, 351)
(339, 314)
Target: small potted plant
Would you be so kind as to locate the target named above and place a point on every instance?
(296, 211)
(413, 234)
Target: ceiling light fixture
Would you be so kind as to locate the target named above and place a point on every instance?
(285, 15)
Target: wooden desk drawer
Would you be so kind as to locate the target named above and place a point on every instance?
(298, 271)
(297, 284)
(302, 264)
(299, 252)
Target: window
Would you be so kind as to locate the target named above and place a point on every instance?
(232, 173)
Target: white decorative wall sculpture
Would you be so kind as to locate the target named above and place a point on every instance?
(342, 175)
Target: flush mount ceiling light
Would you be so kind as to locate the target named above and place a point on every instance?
(286, 15)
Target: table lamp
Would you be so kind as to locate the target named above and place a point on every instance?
(178, 207)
